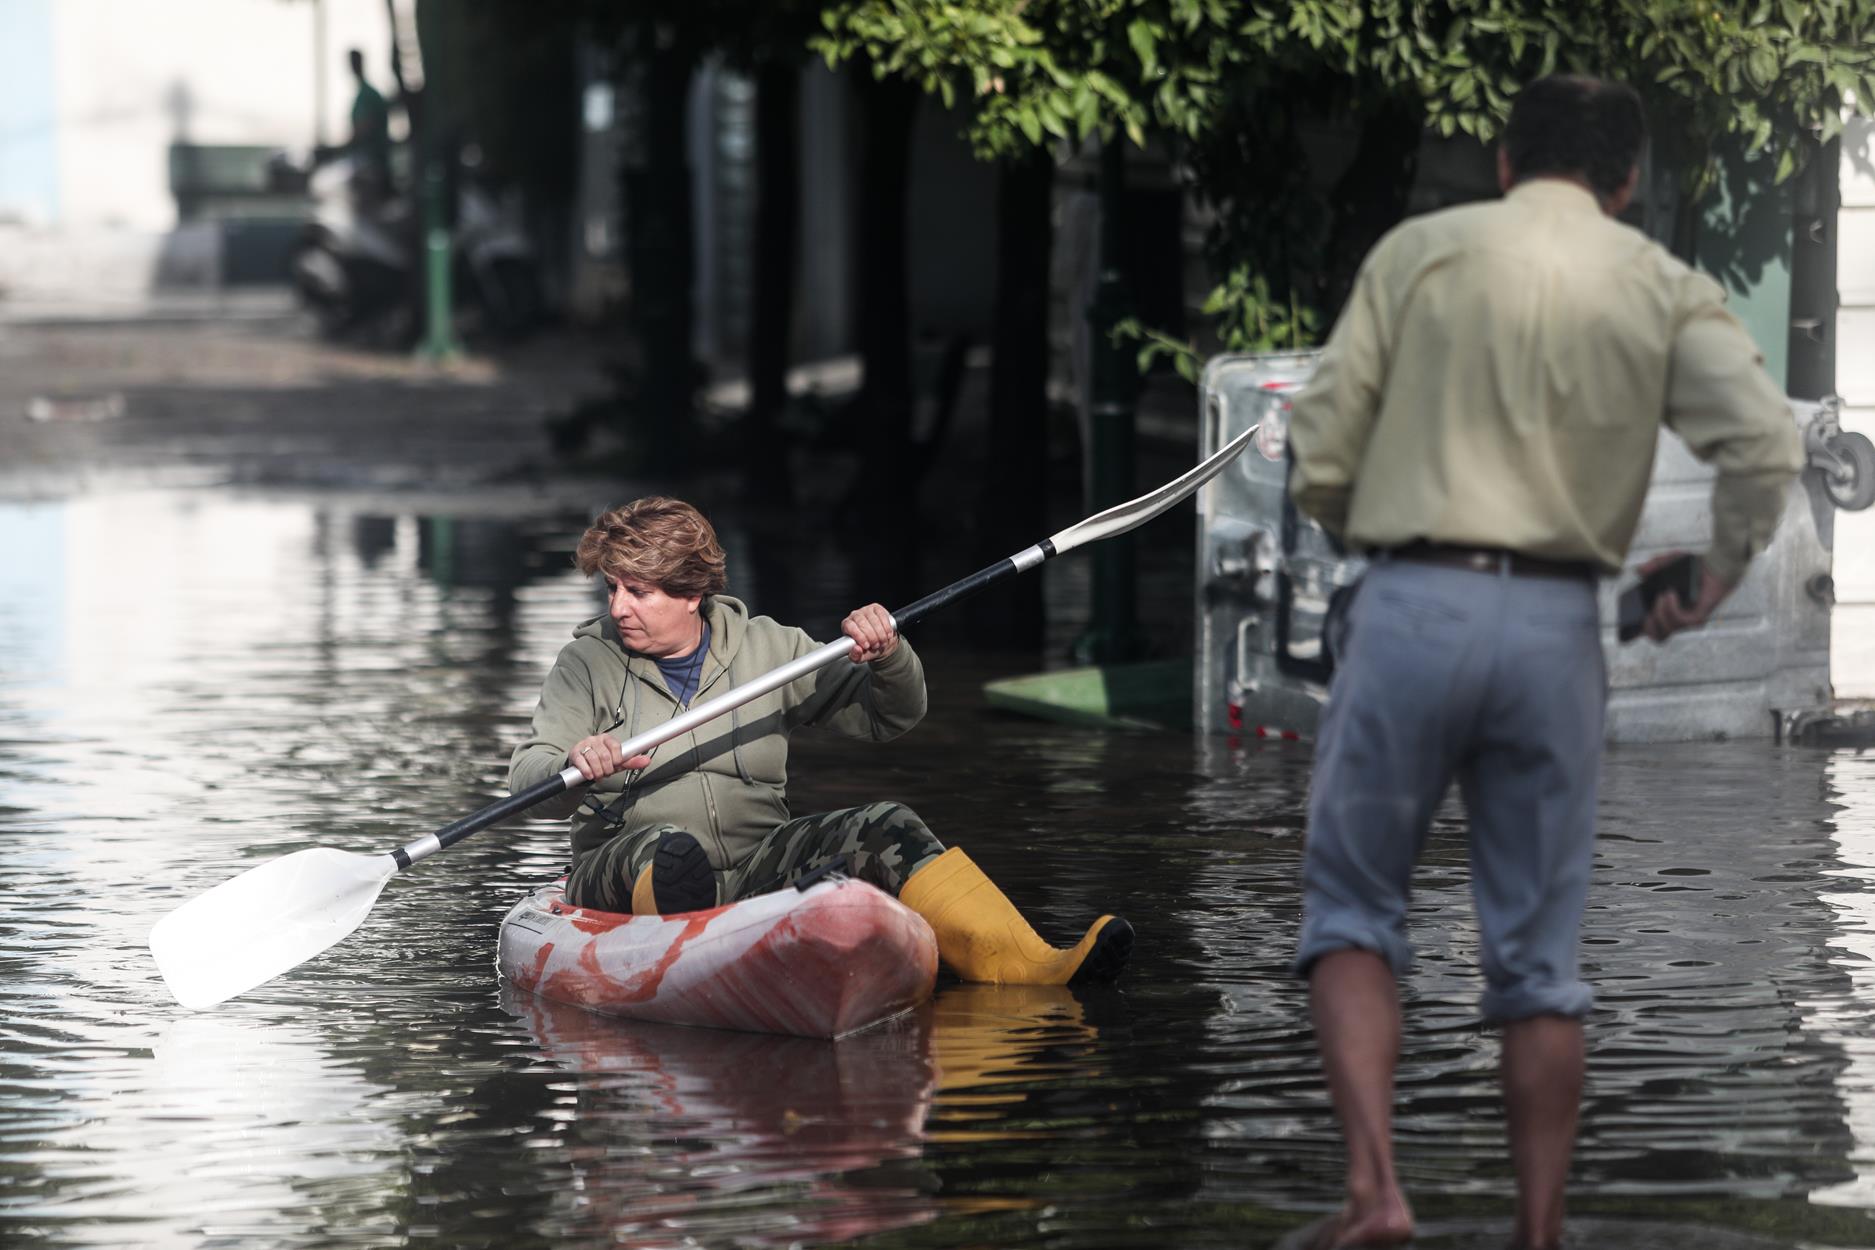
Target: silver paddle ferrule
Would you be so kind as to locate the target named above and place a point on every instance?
(410, 852)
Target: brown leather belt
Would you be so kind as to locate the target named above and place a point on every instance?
(1492, 560)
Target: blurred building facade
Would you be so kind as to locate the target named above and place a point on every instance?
(96, 94)
(93, 92)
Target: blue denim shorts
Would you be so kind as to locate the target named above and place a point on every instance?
(1494, 679)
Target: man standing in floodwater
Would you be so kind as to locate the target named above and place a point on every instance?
(1483, 422)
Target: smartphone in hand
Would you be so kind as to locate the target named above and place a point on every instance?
(1681, 576)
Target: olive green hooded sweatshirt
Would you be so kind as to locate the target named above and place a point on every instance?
(726, 781)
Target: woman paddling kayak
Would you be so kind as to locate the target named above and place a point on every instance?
(703, 819)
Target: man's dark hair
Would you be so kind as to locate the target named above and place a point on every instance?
(1578, 126)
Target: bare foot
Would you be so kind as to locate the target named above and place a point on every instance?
(1389, 1224)
(1547, 1234)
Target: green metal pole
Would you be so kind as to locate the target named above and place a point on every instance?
(442, 551)
(439, 341)
(435, 129)
(1113, 634)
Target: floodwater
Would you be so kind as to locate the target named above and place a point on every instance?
(194, 683)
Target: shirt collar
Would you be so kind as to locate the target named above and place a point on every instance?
(1557, 192)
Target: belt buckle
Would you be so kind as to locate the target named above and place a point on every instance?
(1481, 561)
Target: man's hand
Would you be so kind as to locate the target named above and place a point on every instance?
(871, 630)
(1669, 616)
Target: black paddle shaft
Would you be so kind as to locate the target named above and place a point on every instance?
(493, 814)
(1005, 567)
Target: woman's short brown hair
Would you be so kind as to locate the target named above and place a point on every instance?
(664, 542)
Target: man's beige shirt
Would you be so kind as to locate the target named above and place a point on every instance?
(1498, 378)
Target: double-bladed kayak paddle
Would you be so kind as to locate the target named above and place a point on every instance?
(277, 915)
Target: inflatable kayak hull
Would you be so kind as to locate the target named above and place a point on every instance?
(830, 960)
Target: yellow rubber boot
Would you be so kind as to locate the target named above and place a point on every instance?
(982, 936)
(644, 902)
(678, 879)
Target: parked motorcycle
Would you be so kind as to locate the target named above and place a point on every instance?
(358, 262)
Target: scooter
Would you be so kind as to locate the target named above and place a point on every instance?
(496, 263)
(355, 264)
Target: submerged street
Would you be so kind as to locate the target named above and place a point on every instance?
(196, 680)
(1526, 360)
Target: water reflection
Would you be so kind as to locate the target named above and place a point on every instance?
(1722, 1050)
(1848, 1015)
(697, 1136)
(1706, 931)
(214, 1130)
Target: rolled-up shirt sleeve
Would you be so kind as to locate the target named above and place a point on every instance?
(1332, 418)
(1731, 414)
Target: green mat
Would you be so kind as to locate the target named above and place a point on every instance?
(1153, 694)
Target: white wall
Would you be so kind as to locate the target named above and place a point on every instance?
(131, 76)
(29, 185)
(1852, 650)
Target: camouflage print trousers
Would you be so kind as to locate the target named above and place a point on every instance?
(884, 843)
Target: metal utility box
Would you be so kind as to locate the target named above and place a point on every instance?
(1267, 576)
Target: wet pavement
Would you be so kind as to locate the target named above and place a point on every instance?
(194, 680)
(256, 404)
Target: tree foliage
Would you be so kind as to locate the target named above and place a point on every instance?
(1041, 70)
(1767, 71)
(1771, 74)
(1231, 83)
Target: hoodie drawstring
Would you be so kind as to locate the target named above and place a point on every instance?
(735, 728)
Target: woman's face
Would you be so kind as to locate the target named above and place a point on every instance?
(651, 622)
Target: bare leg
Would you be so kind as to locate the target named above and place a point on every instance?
(1542, 1095)
(1356, 1008)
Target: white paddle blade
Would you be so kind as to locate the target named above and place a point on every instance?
(273, 917)
(1136, 512)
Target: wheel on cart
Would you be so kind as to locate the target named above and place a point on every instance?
(1850, 481)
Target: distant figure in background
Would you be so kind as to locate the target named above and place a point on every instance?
(370, 144)
(1483, 421)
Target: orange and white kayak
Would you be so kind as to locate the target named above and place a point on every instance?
(826, 961)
